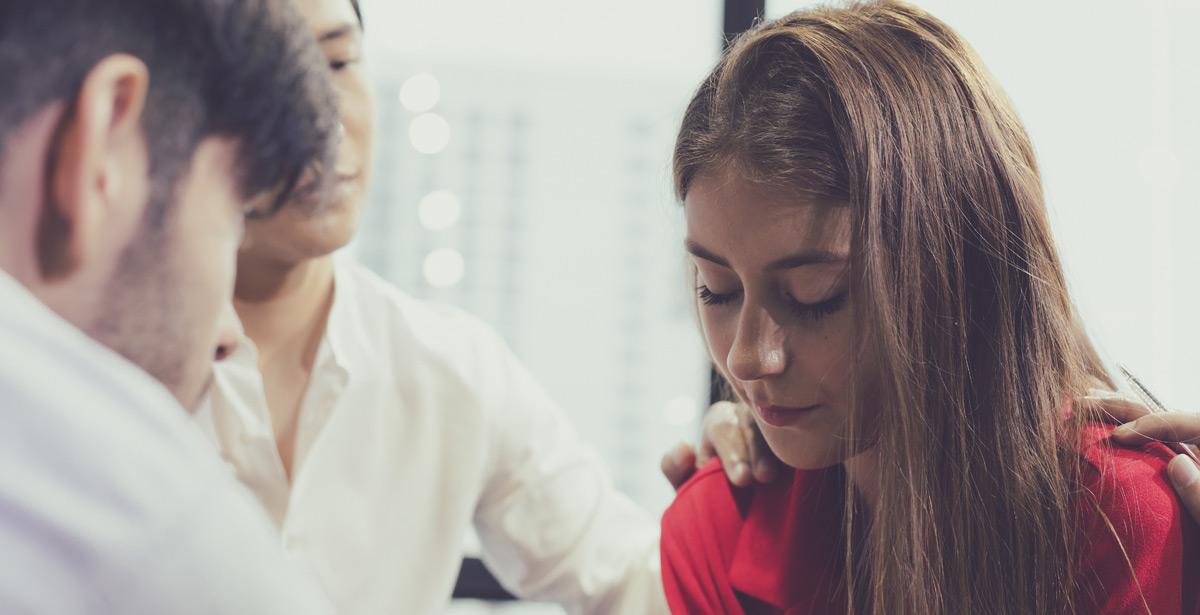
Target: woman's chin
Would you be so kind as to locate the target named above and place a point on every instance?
(804, 452)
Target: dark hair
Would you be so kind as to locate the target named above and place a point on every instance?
(244, 69)
(358, 12)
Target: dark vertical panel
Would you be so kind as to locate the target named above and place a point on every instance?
(740, 15)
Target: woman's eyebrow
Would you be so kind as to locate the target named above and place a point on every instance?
(800, 259)
(808, 257)
(700, 251)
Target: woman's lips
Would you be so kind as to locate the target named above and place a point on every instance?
(783, 416)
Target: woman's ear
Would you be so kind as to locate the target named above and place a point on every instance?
(97, 168)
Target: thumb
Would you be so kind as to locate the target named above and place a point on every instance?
(1185, 475)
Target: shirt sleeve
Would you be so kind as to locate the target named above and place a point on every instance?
(699, 536)
(552, 525)
(1139, 539)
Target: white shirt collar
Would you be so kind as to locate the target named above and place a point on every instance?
(21, 305)
(18, 299)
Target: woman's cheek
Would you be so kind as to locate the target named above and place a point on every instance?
(839, 358)
(718, 334)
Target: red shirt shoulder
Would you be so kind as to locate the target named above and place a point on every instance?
(1142, 549)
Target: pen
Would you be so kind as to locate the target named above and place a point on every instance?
(1155, 406)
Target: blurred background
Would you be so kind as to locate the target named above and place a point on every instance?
(524, 175)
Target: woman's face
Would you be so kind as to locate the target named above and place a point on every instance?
(774, 306)
(295, 234)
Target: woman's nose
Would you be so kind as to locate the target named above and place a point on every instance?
(758, 347)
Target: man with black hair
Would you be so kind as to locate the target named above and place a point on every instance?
(135, 137)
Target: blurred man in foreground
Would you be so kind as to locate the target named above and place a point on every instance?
(135, 135)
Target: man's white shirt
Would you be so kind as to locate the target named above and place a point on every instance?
(111, 500)
(418, 424)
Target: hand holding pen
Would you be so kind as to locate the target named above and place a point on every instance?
(1150, 421)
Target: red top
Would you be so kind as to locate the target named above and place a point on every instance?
(778, 548)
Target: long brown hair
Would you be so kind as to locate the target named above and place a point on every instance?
(958, 293)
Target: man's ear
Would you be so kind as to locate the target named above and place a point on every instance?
(98, 167)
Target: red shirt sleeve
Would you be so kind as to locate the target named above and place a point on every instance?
(699, 536)
(1152, 569)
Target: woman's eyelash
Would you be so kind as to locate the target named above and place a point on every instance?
(807, 311)
(708, 297)
(337, 65)
(817, 311)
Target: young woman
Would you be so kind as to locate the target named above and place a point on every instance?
(877, 279)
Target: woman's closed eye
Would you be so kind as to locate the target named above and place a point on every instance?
(806, 311)
(819, 310)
